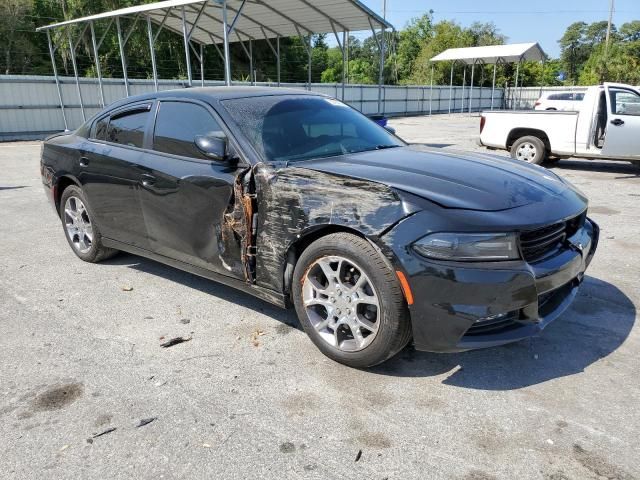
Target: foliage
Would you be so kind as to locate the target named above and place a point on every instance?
(584, 57)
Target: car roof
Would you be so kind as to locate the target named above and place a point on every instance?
(214, 93)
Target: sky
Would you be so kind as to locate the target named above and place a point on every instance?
(542, 21)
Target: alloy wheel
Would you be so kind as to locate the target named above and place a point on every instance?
(341, 303)
(78, 224)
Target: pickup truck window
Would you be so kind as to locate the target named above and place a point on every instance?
(624, 102)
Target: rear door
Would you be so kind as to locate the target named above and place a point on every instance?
(109, 173)
(622, 137)
(185, 196)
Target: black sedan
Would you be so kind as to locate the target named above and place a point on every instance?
(301, 200)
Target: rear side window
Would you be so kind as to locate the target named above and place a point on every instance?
(579, 97)
(100, 129)
(178, 124)
(128, 128)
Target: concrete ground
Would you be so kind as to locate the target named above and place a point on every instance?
(250, 397)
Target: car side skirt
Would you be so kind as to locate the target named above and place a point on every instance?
(271, 296)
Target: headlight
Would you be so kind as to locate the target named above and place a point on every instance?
(469, 246)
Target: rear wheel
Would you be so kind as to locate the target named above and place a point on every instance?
(81, 231)
(529, 149)
(349, 301)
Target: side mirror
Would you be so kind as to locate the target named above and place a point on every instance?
(390, 129)
(213, 146)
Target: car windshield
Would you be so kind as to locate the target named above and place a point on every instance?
(293, 128)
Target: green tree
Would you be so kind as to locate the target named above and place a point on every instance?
(574, 50)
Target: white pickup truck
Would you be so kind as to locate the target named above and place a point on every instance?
(606, 126)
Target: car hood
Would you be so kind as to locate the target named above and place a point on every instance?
(451, 179)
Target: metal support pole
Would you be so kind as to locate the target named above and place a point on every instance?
(251, 72)
(381, 71)
(225, 36)
(185, 39)
(122, 58)
(278, 55)
(493, 84)
(473, 68)
(431, 89)
(513, 97)
(451, 87)
(201, 65)
(72, 51)
(152, 50)
(97, 61)
(347, 49)
(55, 74)
(344, 61)
(309, 63)
(464, 81)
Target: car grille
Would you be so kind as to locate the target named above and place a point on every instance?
(535, 244)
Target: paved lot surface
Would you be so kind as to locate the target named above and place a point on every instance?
(250, 397)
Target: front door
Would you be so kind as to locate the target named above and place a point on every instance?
(185, 196)
(623, 123)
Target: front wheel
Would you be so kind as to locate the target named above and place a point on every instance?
(350, 302)
(529, 149)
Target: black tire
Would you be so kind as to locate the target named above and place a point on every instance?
(97, 252)
(394, 327)
(529, 149)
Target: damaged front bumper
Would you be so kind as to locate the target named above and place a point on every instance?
(462, 306)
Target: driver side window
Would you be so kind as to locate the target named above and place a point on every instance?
(177, 126)
(624, 102)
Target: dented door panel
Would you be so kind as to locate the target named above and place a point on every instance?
(185, 203)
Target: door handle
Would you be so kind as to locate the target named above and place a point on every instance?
(84, 162)
(148, 180)
(617, 122)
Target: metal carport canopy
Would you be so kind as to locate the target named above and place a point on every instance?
(490, 54)
(513, 53)
(258, 18)
(203, 22)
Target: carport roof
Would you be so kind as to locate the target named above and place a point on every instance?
(258, 18)
(514, 52)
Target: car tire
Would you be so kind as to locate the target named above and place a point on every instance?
(360, 318)
(81, 231)
(529, 149)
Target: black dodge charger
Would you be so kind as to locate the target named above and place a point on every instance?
(301, 200)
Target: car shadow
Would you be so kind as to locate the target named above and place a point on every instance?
(598, 322)
(630, 171)
(210, 287)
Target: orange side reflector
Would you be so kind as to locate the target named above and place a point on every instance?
(405, 287)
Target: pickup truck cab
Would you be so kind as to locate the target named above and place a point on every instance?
(607, 125)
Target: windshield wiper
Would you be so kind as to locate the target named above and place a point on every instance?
(382, 147)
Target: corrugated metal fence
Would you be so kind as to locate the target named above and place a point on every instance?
(30, 108)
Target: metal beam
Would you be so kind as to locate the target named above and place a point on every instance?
(185, 40)
(237, 17)
(130, 31)
(278, 55)
(381, 73)
(122, 58)
(161, 26)
(202, 65)
(328, 17)
(104, 34)
(227, 55)
(195, 22)
(55, 74)
(97, 62)
(152, 51)
(286, 17)
(431, 89)
(72, 51)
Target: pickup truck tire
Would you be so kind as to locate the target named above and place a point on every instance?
(529, 149)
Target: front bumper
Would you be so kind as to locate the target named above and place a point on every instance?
(461, 306)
